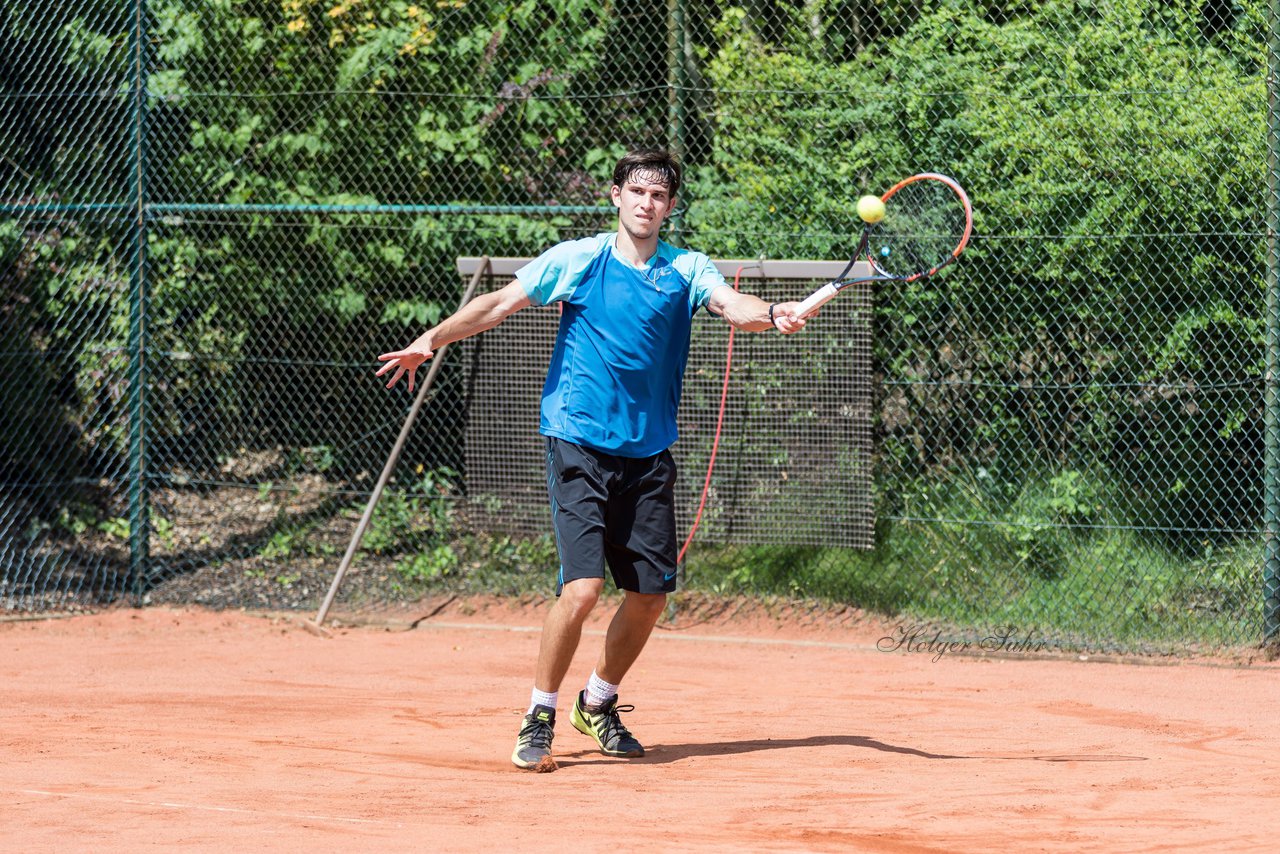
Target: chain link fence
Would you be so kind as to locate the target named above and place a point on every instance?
(213, 215)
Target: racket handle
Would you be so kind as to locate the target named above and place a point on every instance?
(818, 298)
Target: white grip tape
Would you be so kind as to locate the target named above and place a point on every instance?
(819, 297)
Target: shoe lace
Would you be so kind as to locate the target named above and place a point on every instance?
(613, 730)
(536, 733)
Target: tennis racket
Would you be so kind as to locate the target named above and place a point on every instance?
(926, 225)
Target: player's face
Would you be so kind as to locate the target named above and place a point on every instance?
(643, 203)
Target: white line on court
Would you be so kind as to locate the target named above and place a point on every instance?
(663, 634)
(1135, 659)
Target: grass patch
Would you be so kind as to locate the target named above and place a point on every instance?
(971, 554)
(1038, 558)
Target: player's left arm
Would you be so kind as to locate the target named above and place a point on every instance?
(751, 314)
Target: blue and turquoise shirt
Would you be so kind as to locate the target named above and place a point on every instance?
(616, 373)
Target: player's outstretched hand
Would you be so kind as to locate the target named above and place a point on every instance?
(786, 319)
(403, 362)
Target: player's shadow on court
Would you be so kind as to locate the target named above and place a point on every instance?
(659, 754)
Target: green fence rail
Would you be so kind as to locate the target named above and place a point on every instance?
(213, 215)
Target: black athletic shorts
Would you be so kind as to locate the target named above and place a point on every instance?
(613, 510)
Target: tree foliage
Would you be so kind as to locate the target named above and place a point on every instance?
(1115, 150)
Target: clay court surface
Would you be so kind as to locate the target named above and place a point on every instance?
(185, 730)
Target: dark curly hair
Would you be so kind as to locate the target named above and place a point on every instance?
(651, 163)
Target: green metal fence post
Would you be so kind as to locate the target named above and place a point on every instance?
(139, 497)
(1271, 489)
(675, 100)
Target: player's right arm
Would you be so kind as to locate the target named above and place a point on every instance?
(482, 313)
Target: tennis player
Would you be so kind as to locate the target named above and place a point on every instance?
(609, 416)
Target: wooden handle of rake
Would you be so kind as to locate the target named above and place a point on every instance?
(436, 363)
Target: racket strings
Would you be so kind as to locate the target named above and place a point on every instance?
(923, 224)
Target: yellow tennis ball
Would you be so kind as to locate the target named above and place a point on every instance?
(870, 208)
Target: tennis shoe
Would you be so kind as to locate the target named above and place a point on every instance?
(605, 726)
(533, 744)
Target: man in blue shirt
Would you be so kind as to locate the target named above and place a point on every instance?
(609, 414)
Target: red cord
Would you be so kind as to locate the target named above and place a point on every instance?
(715, 442)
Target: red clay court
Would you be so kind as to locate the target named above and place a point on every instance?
(192, 730)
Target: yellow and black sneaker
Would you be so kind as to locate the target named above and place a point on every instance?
(604, 725)
(533, 744)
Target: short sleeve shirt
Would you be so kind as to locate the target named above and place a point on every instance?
(616, 373)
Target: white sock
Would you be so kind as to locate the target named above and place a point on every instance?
(599, 691)
(542, 698)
